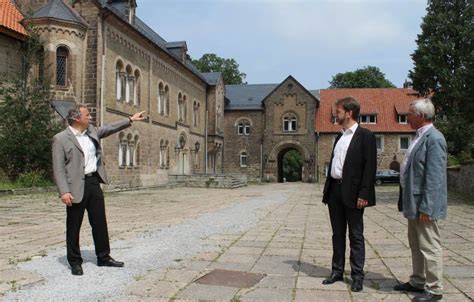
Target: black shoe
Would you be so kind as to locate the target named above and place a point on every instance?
(76, 270)
(109, 262)
(427, 297)
(407, 287)
(332, 278)
(357, 285)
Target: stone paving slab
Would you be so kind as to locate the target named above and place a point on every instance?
(291, 244)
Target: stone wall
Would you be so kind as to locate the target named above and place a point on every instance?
(460, 178)
(10, 61)
(235, 144)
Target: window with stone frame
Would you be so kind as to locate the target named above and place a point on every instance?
(62, 56)
(136, 88)
(162, 153)
(122, 150)
(243, 159)
(129, 85)
(167, 101)
(243, 127)
(196, 106)
(119, 81)
(180, 107)
(161, 99)
(290, 122)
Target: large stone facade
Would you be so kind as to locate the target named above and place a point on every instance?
(118, 66)
(281, 121)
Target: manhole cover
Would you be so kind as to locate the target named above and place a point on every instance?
(230, 278)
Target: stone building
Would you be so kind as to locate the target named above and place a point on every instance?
(100, 53)
(264, 122)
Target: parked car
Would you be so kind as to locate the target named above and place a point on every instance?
(387, 176)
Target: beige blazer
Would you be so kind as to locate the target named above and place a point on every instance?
(68, 158)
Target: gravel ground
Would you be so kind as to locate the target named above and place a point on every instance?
(152, 250)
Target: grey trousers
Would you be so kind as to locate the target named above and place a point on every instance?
(427, 256)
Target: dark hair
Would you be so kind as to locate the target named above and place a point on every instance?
(350, 104)
(75, 113)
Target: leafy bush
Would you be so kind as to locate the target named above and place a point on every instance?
(33, 179)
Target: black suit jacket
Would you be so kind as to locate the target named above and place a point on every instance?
(358, 174)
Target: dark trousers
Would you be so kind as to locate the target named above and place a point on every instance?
(342, 216)
(93, 202)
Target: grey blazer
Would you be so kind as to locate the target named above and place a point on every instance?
(425, 187)
(68, 158)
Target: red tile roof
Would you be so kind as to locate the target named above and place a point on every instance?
(10, 18)
(386, 103)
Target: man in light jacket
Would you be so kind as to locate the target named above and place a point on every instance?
(78, 167)
(423, 201)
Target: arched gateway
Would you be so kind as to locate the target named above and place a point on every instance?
(274, 166)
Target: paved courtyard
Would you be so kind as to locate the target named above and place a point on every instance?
(277, 234)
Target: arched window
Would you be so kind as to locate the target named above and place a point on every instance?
(167, 101)
(122, 150)
(243, 127)
(243, 159)
(62, 55)
(185, 108)
(196, 106)
(180, 107)
(161, 99)
(290, 123)
(162, 153)
(129, 85)
(167, 155)
(137, 89)
(136, 151)
(119, 81)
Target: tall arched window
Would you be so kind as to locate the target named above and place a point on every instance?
(185, 108)
(119, 81)
(180, 107)
(136, 151)
(290, 122)
(161, 99)
(162, 153)
(167, 101)
(129, 85)
(62, 55)
(122, 150)
(196, 106)
(137, 89)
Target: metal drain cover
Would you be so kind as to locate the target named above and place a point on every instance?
(230, 278)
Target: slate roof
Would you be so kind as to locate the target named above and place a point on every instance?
(212, 78)
(58, 9)
(247, 97)
(10, 18)
(118, 8)
(386, 103)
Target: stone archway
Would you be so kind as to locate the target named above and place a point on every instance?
(273, 168)
(296, 169)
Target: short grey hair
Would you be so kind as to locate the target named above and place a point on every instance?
(75, 113)
(423, 107)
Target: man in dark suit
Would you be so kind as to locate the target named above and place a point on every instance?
(79, 169)
(349, 188)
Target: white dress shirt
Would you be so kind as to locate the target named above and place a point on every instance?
(419, 133)
(340, 151)
(88, 148)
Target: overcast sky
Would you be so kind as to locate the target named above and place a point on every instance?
(312, 40)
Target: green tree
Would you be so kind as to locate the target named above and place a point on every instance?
(444, 68)
(367, 77)
(210, 62)
(27, 123)
(292, 163)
